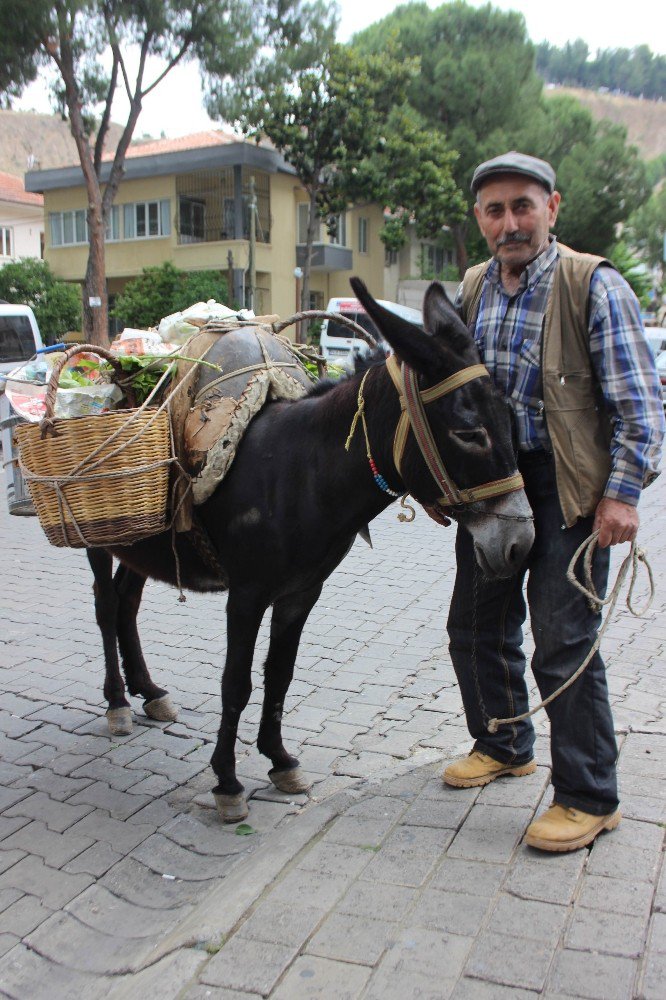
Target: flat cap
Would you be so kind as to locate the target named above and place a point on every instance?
(515, 163)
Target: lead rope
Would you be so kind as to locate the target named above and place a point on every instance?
(636, 556)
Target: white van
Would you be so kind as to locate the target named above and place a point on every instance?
(338, 343)
(19, 336)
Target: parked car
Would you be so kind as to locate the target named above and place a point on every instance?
(339, 344)
(661, 368)
(656, 339)
(19, 336)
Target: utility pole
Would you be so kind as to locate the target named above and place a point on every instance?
(253, 244)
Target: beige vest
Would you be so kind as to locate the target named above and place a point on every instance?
(579, 427)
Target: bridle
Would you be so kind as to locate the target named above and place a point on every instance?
(413, 416)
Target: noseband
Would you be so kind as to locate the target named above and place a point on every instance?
(412, 403)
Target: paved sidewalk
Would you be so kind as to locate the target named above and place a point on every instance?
(117, 879)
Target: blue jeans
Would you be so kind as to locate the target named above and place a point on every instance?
(583, 747)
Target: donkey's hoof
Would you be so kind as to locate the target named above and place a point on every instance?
(119, 720)
(292, 781)
(161, 709)
(232, 808)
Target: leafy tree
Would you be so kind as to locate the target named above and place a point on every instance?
(601, 184)
(633, 270)
(160, 291)
(646, 229)
(56, 304)
(476, 85)
(74, 38)
(411, 173)
(633, 71)
(655, 170)
(325, 122)
(601, 179)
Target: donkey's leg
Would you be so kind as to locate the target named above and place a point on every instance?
(157, 704)
(289, 617)
(118, 714)
(245, 610)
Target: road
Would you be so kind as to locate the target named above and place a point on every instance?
(118, 879)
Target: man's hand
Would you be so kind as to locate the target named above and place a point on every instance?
(437, 514)
(615, 521)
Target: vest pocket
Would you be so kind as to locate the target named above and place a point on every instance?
(581, 436)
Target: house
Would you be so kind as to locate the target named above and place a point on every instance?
(187, 201)
(21, 221)
(409, 271)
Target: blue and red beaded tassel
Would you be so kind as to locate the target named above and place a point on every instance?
(379, 479)
(360, 413)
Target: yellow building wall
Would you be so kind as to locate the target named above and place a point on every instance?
(279, 257)
(275, 261)
(367, 266)
(124, 258)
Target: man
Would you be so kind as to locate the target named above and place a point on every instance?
(561, 335)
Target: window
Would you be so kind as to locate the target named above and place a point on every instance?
(68, 228)
(71, 228)
(113, 225)
(192, 215)
(390, 257)
(147, 219)
(362, 235)
(17, 341)
(338, 226)
(6, 241)
(206, 206)
(337, 223)
(434, 259)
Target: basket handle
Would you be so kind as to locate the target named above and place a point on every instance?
(52, 387)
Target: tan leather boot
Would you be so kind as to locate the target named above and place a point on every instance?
(562, 828)
(479, 769)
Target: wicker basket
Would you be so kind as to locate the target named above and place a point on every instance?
(97, 480)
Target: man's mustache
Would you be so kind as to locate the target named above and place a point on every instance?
(513, 238)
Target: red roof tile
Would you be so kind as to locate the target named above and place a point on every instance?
(12, 189)
(197, 140)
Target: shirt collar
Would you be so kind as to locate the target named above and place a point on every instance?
(534, 270)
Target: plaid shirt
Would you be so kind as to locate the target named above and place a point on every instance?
(508, 334)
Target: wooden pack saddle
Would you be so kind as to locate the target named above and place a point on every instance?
(210, 418)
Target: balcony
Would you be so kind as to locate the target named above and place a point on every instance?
(326, 257)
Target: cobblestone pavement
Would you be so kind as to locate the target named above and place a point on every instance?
(117, 878)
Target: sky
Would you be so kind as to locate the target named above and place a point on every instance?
(176, 106)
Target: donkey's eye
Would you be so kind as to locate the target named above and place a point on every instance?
(476, 436)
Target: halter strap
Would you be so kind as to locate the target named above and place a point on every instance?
(412, 404)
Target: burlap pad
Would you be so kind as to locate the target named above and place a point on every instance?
(211, 416)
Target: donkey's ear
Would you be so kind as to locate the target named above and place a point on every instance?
(410, 343)
(441, 318)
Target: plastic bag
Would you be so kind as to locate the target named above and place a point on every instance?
(180, 326)
(87, 399)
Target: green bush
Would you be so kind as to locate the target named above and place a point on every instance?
(56, 304)
(160, 291)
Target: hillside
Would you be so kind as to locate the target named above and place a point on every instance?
(44, 138)
(645, 121)
(47, 139)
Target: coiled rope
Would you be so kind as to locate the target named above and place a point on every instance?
(587, 549)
